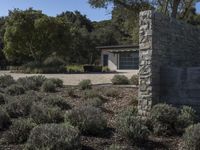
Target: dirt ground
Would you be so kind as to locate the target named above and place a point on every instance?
(111, 108)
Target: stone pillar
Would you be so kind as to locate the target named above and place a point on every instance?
(145, 65)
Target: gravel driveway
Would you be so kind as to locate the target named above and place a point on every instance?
(74, 79)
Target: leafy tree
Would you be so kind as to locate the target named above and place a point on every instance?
(2, 30)
(32, 35)
(173, 8)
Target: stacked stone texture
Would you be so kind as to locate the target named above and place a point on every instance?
(164, 42)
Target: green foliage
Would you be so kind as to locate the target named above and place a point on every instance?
(112, 93)
(115, 147)
(5, 119)
(85, 84)
(57, 101)
(19, 108)
(2, 99)
(88, 119)
(42, 41)
(91, 93)
(6, 80)
(95, 102)
(48, 86)
(191, 137)
(19, 131)
(15, 89)
(42, 113)
(71, 92)
(132, 126)
(54, 61)
(186, 117)
(120, 80)
(54, 137)
(57, 82)
(134, 80)
(163, 118)
(75, 69)
(27, 83)
(31, 83)
(105, 69)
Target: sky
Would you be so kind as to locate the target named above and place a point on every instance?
(54, 7)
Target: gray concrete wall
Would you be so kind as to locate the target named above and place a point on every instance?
(164, 43)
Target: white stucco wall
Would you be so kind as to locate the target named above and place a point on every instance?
(112, 60)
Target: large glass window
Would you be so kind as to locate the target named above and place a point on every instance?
(129, 60)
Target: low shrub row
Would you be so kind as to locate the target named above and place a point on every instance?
(19, 87)
(164, 120)
(123, 80)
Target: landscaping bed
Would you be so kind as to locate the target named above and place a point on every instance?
(99, 106)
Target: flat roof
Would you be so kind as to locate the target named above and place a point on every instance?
(117, 46)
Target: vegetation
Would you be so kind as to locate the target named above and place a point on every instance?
(2, 100)
(186, 117)
(88, 119)
(75, 68)
(6, 80)
(5, 119)
(45, 120)
(42, 113)
(19, 108)
(120, 80)
(85, 84)
(112, 93)
(54, 137)
(57, 101)
(48, 86)
(163, 118)
(19, 131)
(132, 126)
(191, 137)
(15, 89)
(134, 80)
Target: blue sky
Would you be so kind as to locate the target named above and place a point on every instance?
(54, 7)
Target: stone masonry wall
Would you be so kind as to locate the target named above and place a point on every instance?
(164, 42)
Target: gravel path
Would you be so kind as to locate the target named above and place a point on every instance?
(74, 79)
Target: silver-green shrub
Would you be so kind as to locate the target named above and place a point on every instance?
(2, 100)
(6, 80)
(187, 116)
(57, 82)
(4, 119)
(191, 137)
(131, 126)
(19, 108)
(120, 80)
(57, 101)
(42, 113)
(88, 119)
(19, 131)
(85, 84)
(163, 118)
(48, 86)
(15, 89)
(54, 137)
(134, 80)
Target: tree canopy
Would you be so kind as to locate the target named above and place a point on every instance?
(173, 8)
(31, 34)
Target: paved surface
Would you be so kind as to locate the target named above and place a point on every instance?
(74, 79)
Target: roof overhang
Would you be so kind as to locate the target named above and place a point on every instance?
(118, 47)
(123, 50)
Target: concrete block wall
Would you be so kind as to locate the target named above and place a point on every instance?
(163, 42)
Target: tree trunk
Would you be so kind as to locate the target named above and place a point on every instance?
(175, 8)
